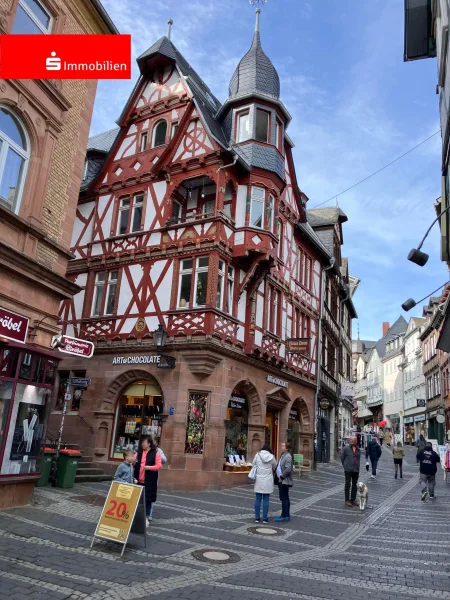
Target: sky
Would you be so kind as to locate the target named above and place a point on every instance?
(355, 107)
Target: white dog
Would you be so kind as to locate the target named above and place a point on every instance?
(363, 495)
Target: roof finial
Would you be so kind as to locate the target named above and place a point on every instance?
(258, 12)
(169, 23)
(358, 330)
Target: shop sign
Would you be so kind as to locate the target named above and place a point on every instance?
(421, 402)
(237, 402)
(300, 346)
(13, 326)
(408, 420)
(153, 359)
(347, 389)
(118, 512)
(71, 345)
(324, 404)
(419, 418)
(440, 418)
(293, 415)
(277, 381)
(80, 381)
(166, 362)
(432, 414)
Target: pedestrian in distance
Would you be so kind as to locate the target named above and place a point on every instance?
(381, 436)
(428, 460)
(148, 464)
(163, 461)
(265, 464)
(373, 451)
(399, 454)
(421, 442)
(285, 481)
(125, 471)
(350, 459)
(388, 438)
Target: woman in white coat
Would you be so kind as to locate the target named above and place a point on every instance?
(265, 464)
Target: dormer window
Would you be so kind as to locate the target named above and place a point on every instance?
(243, 126)
(262, 126)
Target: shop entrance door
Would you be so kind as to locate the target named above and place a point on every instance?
(272, 420)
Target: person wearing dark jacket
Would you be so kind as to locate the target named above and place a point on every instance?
(284, 473)
(350, 459)
(373, 451)
(428, 460)
(148, 463)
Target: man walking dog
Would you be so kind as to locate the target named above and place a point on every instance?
(350, 459)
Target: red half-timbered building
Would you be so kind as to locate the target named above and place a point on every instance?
(191, 219)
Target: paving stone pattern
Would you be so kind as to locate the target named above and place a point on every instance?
(398, 550)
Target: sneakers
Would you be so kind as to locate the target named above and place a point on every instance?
(265, 522)
(147, 522)
(431, 497)
(257, 520)
(280, 519)
(424, 495)
(373, 477)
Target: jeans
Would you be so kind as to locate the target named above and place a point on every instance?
(265, 500)
(397, 465)
(428, 481)
(283, 491)
(374, 465)
(351, 477)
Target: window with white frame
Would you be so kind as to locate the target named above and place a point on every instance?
(278, 135)
(243, 126)
(229, 291)
(130, 214)
(105, 289)
(14, 158)
(280, 238)
(193, 282)
(262, 126)
(257, 207)
(269, 212)
(32, 17)
(220, 281)
(173, 129)
(273, 310)
(143, 142)
(176, 212)
(159, 134)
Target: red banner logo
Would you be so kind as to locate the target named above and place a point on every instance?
(13, 326)
(65, 56)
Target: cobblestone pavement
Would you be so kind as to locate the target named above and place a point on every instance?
(399, 549)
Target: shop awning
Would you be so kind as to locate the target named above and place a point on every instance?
(364, 412)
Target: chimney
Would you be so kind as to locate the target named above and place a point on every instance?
(385, 328)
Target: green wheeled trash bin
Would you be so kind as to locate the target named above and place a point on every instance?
(67, 468)
(46, 467)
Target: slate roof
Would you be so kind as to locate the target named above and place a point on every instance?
(314, 238)
(103, 141)
(255, 74)
(321, 217)
(399, 327)
(96, 153)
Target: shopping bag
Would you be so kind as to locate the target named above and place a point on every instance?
(252, 474)
(367, 465)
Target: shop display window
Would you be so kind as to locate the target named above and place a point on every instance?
(8, 362)
(195, 429)
(6, 389)
(293, 431)
(236, 426)
(26, 432)
(138, 414)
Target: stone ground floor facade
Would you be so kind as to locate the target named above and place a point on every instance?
(327, 551)
(209, 406)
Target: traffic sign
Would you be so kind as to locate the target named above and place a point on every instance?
(80, 381)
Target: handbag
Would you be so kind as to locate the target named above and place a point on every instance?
(367, 465)
(252, 474)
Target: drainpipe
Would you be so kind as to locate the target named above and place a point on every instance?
(230, 165)
(319, 354)
(341, 408)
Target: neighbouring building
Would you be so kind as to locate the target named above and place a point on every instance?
(434, 363)
(414, 395)
(334, 411)
(44, 128)
(191, 226)
(427, 36)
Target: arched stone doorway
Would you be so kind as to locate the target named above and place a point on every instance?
(255, 425)
(136, 402)
(277, 411)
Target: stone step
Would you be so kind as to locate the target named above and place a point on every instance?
(88, 478)
(89, 471)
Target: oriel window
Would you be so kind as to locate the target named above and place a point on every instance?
(243, 127)
(262, 126)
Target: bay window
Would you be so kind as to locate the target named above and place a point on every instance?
(230, 291)
(243, 127)
(130, 214)
(279, 135)
(193, 282)
(220, 279)
(257, 207)
(105, 288)
(225, 287)
(280, 238)
(273, 310)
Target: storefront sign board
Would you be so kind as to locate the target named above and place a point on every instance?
(347, 389)
(277, 381)
(13, 326)
(80, 381)
(293, 415)
(237, 402)
(166, 362)
(300, 346)
(324, 404)
(419, 418)
(118, 513)
(147, 359)
(76, 346)
(408, 420)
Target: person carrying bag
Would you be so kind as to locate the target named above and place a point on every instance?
(285, 481)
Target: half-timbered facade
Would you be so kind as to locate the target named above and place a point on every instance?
(191, 219)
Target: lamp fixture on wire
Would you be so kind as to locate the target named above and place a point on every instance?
(416, 255)
(410, 303)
